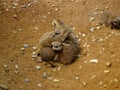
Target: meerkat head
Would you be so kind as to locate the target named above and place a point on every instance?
(115, 23)
(57, 46)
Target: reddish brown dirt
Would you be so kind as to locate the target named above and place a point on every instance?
(34, 21)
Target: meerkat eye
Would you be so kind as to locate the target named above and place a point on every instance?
(115, 22)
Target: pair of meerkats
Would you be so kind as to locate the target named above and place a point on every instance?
(60, 45)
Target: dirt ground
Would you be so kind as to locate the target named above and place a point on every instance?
(24, 21)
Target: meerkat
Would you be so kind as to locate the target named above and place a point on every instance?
(52, 43)
(59, 34)
(107, 19)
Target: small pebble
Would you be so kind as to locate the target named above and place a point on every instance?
(16, 66)
(39, 60)
(3, 87)
(37, 67)
(91, 19)
(39, 85)
(34, 48)
(7, 9)
(116, 80)
(94, 61)
(101, 11)
(56, 80)
(49, 13)
(56, 9)
(15, 16)
(5, 66)
(22, 49)
(25, 45)
(49, 78)
(98, 27)
(106, 7)
(93, 76)
(19, 29)
(108, 64)
(84, 83)
(36, 28)
(106, 71)
(92, 29)
(83, 35)
(53, 5)
(34, 53)
(27, 80)
(77, 78)
(100, 40)
(100, 83)
(16, 72)
(104, 86)
(34, 56)
(44, 75)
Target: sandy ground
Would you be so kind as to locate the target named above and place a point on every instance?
(24, 21)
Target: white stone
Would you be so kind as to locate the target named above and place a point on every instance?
(25, 45)
(34, 53)
(50, 78)
(98, 27)
(37, 67)
(56, 9)
(93, 60)
(108, 64)
(100, 83)
(5, 66)
(34, 48)
(39, 85)
(56, 80)
(27, 80)
(77, 78)
(84, 83)
(83, 35)
(91, 19)
(22, 49)
(92, 29)
(36, 28)
(106, 71)
(34, 56)
(16, 66)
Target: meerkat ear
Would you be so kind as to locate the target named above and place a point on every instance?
(58, 23)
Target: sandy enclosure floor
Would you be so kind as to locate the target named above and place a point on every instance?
(24, 21)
